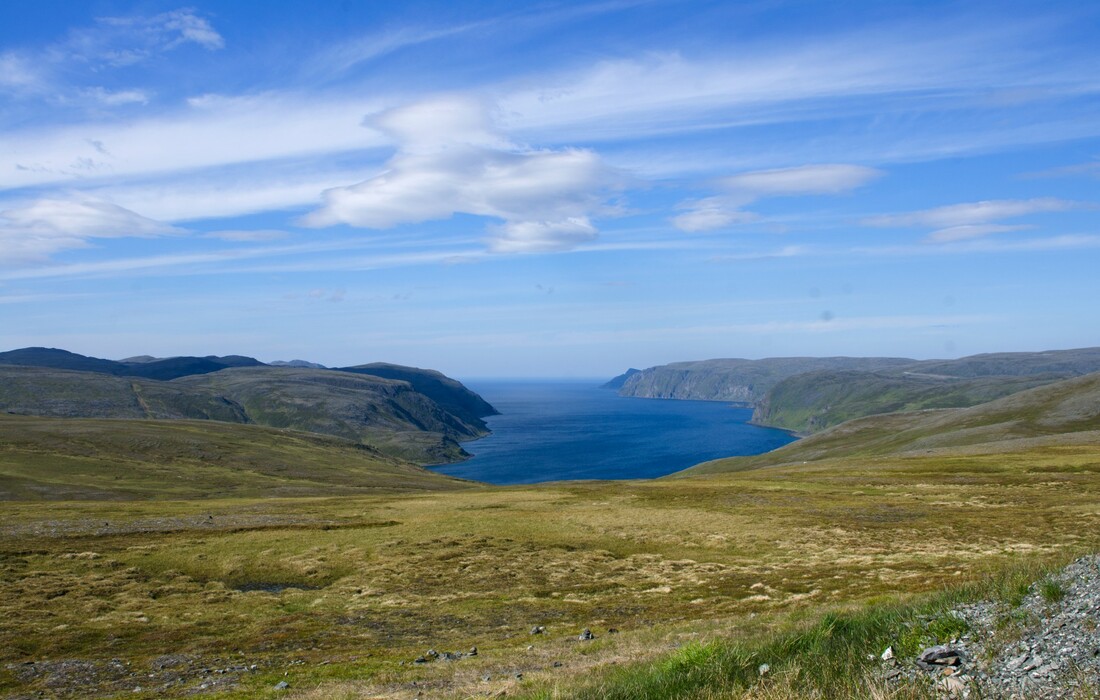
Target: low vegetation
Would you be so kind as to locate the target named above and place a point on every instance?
(813, 401)
(358, 587)
(177, 557)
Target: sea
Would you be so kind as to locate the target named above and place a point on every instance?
(566, 430)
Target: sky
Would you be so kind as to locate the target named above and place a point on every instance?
(554, 189)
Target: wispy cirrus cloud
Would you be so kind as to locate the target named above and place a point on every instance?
(18, 72)
(969, 220)
(745, 188)
(451, 160)
(348, 55)
(125, 40)
(38, 229)
(53, 71)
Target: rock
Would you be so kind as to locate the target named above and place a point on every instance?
(586, 635)
(420, 660)
(954, 685)
(763, 669)
(538, 629)
(1055, 657)
(432, 653)
(557, 664)
(486, 678)
(472, 651)
(612, 630)
(888, 654)
(1020, 660)
(282, 685)
(519, 676)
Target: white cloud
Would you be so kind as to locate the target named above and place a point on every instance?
(542, 236)
(254, 236)
(965, 232)
(450, 160)
(710, 214)
(363, 49)
(717, 212)
(123, 41)
(972, 212)
(806, 179)
(213, 131)
(16, 72)
(40, 228)
(192, 28)
(969, 220)
(118, 97)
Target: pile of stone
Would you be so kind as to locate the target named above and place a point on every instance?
(1048, 648)
(433, 655)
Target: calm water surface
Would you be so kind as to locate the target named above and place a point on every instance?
(555, 430)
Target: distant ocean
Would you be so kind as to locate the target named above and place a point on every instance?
(559, 430)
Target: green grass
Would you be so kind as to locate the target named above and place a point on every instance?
(368, 582)
(1051, 591)
(813, 401)
(831, 655)
(807, 567)
(108, 459)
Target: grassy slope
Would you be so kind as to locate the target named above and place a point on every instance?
(736, 379)
(814, 401)
(55, 459)
(383, 412)
(664, 562)
(886, 507)
(1059, 413)
(808, 394)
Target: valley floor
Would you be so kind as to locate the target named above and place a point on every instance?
(338, 597)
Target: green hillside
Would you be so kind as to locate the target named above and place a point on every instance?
(388, 414)
(112, 459)
(737, 380)
(813, 401)
(449, 393)
(1060, 413)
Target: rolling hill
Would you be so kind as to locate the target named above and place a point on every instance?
(813, 401)
(140, 366)
(737, 380)
(809, 394)
(409, 413)
(1060, 413)
(120, 459)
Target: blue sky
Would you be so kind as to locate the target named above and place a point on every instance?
(549, 189)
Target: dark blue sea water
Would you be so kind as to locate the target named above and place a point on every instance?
(558, 430)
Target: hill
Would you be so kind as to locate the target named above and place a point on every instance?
(341, 596)
(737, 380)
(447, 392)
(389, 414)
(1060, 413)
(808, 394)
(139, 366)
(104, 459)
(617, 382)
(813, 401)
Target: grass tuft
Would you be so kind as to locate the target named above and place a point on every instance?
(1051, 590)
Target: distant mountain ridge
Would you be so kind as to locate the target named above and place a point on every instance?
(407, 412)
(1058, 413)
(140, 366)
(810, 394)
(737, 380)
